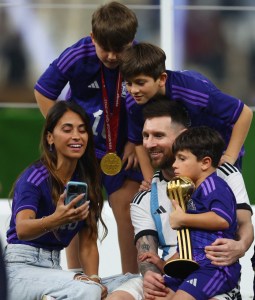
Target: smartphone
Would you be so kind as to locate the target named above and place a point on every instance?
(75, 188)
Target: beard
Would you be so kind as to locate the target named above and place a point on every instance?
(164, 164)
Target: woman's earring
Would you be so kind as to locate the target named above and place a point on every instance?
(50, 148)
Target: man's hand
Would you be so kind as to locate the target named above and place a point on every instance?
(224, 252)
(153, 285)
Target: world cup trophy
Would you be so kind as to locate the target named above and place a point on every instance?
(180, 189)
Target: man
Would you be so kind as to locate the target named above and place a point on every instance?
(164, 121)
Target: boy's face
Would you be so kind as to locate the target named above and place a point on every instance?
(158, 137)
(186, 164)
(109, 58)
(143, 87)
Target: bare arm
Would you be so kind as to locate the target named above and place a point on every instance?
(147, 243)
(144, 162)
(225, 252)
(29, 227)
(153, 282)
(43, 102)
(238, 136)
(88, 252)
(179, 219)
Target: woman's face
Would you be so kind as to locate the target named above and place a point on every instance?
(69, 137)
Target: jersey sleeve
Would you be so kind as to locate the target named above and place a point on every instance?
(26, 196)
(141, 216)
(135, 120)
(52, 82)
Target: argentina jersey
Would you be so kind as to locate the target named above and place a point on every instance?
(212, 195)
(79, 66)
(206, 104)
(150, 216)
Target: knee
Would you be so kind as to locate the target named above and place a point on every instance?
(88, 291)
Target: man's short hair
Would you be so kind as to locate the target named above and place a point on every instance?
(161, 106)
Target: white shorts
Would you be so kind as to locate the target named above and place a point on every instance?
(133, 286)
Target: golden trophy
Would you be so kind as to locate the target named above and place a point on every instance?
(180, 189)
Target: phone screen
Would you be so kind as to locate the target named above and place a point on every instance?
(75, 188)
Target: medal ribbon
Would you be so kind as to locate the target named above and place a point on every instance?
(111, 120)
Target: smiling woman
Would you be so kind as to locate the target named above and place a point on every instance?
(42, 225)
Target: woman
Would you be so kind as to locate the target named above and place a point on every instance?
(41, 224)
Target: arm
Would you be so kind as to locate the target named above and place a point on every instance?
(153, 282)
(225, 252)
(144, 162)
(238, 136)
(179, 219)
(29, 228)
(43, 102)
(129, 156)
(88, 252)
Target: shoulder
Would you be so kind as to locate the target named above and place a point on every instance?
(83, 49)
(34, 174)
(212, 184)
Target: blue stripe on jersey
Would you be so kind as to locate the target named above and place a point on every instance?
(208, 186)
(129, 101)
(190, 96)
(38, 175)
(228, 169)
(46, 91)
(74, 54)
(156, 217)
(214, 284)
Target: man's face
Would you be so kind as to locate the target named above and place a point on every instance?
(158, 137)
(143, 88)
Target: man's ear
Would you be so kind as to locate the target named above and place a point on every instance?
(206, 163)
(162, 79)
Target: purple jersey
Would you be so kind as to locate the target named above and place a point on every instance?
(205, 103)
(33, 191)
(79, 66)
(213, 194)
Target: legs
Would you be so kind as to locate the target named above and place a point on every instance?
(120, 203)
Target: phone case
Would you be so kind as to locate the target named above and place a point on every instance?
(75, 188)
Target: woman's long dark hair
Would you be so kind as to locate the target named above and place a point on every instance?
(87, 167)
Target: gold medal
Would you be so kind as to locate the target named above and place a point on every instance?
(111, 164)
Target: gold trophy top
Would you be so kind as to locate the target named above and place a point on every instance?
(181, 186)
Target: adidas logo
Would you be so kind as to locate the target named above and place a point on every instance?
(192, 281)
(160, 210)
(93, 85)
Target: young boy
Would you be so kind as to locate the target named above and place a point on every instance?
(90, 66)
(143, 68)
(211, 213)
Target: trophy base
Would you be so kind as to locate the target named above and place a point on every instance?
(180, 268)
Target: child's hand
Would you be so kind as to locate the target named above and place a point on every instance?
(145, 185)
(177, 216)
(226, 158)
(152, 258)
(129, 156)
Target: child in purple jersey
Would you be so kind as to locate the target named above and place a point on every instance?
(211, 213)
(143, 68)
(41, 224)
(86, 65)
